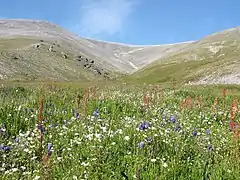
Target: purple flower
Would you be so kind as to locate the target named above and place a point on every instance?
(163, 124)
(141, 144)
(208, 131)
(164, 116)
(78, 115)
(195, 133)
(49, 148)
(50, 153)
(147, 125)
(51, 126)
(43, 129)
(144, 125)
(7, 148)
(141, 127)
(16, 140)
(173, 119)
(96, 113)
(2, 147)
(149, 140)
(178, 128)
(210, 148)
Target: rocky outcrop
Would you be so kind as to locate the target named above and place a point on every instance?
(90, 64)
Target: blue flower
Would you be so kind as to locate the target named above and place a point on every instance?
(163, 123)
(141, 144)
(39, 126)
(7, 148)
(178, 128)
(195, 133)
(164, 116)
(208, 131)
(210, 148)
(2, 147)
(49, 148)
(147, 125)
(50, 153)
(96, 113)
(43, 129)
(141, 127)
(149, 140)
(144, 125)
(16, 140)
(173, 119)
(78, 115)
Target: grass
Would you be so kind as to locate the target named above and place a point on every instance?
(113, 132)
(21, 61)
(182, 66)
(16, 42)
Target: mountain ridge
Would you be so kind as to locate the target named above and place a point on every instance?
(112, 58)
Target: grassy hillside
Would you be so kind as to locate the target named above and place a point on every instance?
(207, 61)
(25, 58)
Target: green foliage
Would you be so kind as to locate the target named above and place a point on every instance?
(104, 144)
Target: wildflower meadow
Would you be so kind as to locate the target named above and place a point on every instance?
(119, 132)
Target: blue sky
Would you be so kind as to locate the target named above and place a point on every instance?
(131, 21)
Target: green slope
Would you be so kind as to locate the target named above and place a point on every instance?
(20, 59)
(211, 60)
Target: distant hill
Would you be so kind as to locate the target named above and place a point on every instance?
(211, 60)
(40, 50)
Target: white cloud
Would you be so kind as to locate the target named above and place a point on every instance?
(104, 17)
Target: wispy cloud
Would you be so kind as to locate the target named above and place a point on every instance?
(101, 18)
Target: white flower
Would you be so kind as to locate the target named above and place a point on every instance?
(36, 178)
(14, 169)
(120, 131)
(165, 165)
(113, 143)
(153, 160)
(19, 108)
(23, 168)
(84, 164)
(98, 135)
(26, 150)
(26, 173)
(127, 138)
(104, 129)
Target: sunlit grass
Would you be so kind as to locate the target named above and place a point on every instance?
(113, 132)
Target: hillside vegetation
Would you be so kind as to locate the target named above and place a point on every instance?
(25, 55)
(214, 59)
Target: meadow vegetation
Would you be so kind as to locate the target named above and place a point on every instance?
(59, 131)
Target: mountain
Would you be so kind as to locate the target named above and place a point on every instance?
(211, 60)
(24, 54)
(40, 50)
